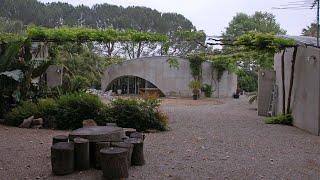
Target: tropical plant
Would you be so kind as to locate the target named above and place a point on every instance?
(252, 97)
(195, 85)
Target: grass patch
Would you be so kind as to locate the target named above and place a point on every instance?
(285, 119)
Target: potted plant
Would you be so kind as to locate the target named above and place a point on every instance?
(195, 85)
(237, 94)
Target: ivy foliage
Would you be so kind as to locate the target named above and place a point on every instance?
(173, 63)
(263, 42)
(82, 34)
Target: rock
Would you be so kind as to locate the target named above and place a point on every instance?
(27, 122)
(38, 121)
(152, 131)
(89, 123)
(36, 126)
(112, 124)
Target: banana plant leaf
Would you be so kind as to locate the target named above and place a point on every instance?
(16, 75)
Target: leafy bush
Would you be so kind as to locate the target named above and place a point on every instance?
(207, 89)
(139, 113)
(195, 85)
(47, 107)
(247, 80)
(74, 108)
(16, 116)
(280, 119)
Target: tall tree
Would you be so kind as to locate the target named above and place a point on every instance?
(310, 30)
(241, 24)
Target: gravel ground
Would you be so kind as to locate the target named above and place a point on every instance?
(208, 139)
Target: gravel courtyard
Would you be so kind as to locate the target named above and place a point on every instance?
(208, 139)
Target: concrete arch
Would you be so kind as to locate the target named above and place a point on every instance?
(171, 81)
(130, 76)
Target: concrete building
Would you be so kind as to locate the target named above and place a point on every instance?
(154, 73)
(305, 100)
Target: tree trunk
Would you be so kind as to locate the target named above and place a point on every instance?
(137, 158)
(114, 163)
(283, 83)
(126, 145)
(82, 155)
(294, 57)
(96, 153)
(62, 158)
(59, 138)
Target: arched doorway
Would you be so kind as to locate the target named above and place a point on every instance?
(133, 85)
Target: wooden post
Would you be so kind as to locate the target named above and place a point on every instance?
(62, 158)
(126, 145)
(59, 138)
(137, 158)
(97, 156)
(114, 163)
(82, 155)
(137, 135)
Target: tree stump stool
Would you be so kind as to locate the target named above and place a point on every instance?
(81, 154)
(126, 145)
(59, 138)
(129, 131)
(137, 135)
(114, 163)
(62, 158)
(137, 158)
(97, 156)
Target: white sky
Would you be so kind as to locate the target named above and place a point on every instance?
(213, 16)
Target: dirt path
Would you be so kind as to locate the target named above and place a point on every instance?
(222, 139)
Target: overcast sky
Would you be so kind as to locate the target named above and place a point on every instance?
(213, 16)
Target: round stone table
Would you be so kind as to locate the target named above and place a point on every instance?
(99, 134)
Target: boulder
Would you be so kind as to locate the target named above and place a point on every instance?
(27, 122)
(89, 123)
(38, 121)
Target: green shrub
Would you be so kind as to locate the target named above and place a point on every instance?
(280, 119)
(207, 89)
(16, 116)
(139, 113)
(74, 108)
(47, 107)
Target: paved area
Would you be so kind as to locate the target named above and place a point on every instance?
(224, 139)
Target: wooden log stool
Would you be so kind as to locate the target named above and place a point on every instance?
(137, 135)
(137, 158)
(62, 158)
(126, 145)
(81, 154)
(59, 138)
(97, 156)
(114, 163)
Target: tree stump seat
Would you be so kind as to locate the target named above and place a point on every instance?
(114, 163)
(82, 154)
(126, 145)
(62, 158)
(137, 158)
(59, 138)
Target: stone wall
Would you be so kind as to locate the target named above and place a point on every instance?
(305, 97)
(266, 81)
(171, 81)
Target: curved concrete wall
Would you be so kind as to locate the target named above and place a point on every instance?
(171, 81)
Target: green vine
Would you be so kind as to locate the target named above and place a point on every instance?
(196, 61)
(173, 63)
